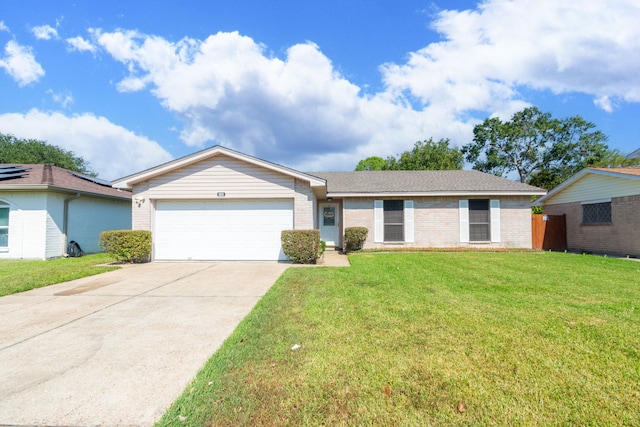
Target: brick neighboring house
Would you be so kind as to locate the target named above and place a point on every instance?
(601, 207)
(222, 204)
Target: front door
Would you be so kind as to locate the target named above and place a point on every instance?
(329, 223)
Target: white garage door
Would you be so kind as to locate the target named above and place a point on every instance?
(221, 230)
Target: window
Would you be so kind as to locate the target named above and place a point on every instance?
(4, 225)
(479, 220)
(393, 220)
(596, 213)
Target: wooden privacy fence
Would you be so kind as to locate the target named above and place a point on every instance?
(549, 232)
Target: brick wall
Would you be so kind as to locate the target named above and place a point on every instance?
(141, 212)
(437, 222)
(621, 237)
(304, 211)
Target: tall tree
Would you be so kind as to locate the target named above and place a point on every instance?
(425, 155)
(15, 150)
(373, 163)
(541, 149)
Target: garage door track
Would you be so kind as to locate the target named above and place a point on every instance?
(119, 348)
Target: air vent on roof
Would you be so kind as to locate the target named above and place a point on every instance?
(92, 179)
(12, 172)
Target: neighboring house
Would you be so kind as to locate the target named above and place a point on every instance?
(601, 208)
(222, 204)
(43, 207)
(635, 154)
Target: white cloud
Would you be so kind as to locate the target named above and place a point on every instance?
(297, 109)
(20, 63)
(44, 32)
(64, 99)
(81, 45)
(111, 150)
(589, 47)
(3, 26)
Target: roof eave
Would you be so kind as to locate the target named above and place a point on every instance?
(46, 187)
(434, 193)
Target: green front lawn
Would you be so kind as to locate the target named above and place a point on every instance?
(22, 275)
(432, 339)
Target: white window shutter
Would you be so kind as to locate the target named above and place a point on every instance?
(408, 221)
(495, 221)
(463, 212)
(378, 221)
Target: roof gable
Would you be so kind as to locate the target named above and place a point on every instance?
(128, 181)
(49, 177)
(595, 184)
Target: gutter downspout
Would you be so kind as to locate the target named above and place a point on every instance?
(65, 222)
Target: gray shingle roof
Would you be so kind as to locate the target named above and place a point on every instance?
(455, 181)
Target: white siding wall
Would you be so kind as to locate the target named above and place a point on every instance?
(54, 221)
(596, 187)
(205, 179)
(27, 225)
(89, 216)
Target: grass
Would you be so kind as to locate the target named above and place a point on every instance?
(22, 275)
(432, 339)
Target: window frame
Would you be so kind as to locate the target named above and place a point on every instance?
(600, 217)
(386, 207)
(486, 223)
(5, 206)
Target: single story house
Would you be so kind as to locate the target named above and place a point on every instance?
(601, 207)
(44, 207)
(219, 204)
(635, 154)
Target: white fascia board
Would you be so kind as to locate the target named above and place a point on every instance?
(439, 193)
(127, 182)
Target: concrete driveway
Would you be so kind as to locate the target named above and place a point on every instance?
(118, 348)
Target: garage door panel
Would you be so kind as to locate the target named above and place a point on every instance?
(221, 230)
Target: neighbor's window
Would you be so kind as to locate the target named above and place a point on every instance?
(596, 213)
(479, 220)
(393, 220)
(4, 225)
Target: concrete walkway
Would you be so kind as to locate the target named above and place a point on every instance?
(117, 349)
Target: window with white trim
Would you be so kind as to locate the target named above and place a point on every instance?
(479, 220)
(4, 225)
(596, 213)
(393, 221)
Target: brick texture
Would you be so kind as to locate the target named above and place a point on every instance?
(621, 237)
(304, 206)
(437, 222)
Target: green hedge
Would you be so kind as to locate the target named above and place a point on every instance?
(301, 246)
(127, 245)
(354, 238)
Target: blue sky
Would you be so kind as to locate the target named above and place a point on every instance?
(313, 85)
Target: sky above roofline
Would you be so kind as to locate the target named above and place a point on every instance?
(314, 85)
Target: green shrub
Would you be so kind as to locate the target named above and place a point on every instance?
(301, 246)
(354, 238)
(323, 247)
(127, 245)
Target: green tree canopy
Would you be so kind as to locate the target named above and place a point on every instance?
(425, 155)
(373, 163)
(544, 151)
(15, 150)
